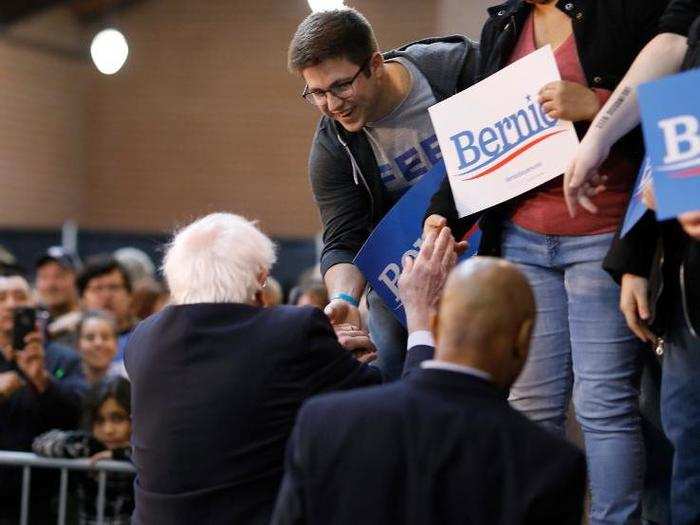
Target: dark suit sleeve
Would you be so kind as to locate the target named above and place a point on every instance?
(326, 364)
(415, 356)
(290, 506)
(572, 491)
(561, 495)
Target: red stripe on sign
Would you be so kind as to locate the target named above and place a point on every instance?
(516, 153)
(686, 174)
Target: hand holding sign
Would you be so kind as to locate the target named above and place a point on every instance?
(568, 101)
(691, 223)
(435, 223)
(497, 141)
(399, 234)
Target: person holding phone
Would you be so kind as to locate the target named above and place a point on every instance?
(36, 392)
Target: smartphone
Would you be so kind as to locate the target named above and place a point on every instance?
(24, 323)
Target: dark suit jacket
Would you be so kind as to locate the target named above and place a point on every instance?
(215, 391)
(438, 447)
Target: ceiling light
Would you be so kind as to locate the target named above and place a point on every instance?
(322, 5)
(109, 51)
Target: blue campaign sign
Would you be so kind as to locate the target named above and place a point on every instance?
(670, 110)
(398, 234)
(636, 208)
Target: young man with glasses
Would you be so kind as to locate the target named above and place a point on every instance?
(373, 142)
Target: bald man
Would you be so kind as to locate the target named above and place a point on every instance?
(443, 445)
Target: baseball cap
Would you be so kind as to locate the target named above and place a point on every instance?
(58, 254)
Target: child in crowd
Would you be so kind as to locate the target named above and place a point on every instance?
(107, 423)
(97, 346)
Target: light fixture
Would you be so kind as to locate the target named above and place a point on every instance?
(322, 5)
(109, 51)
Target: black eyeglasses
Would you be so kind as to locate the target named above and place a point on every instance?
(342, 90)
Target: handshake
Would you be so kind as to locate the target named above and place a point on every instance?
(420, 286)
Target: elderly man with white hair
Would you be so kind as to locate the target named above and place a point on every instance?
(218, 379)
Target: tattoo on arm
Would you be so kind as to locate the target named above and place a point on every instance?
(604, 119)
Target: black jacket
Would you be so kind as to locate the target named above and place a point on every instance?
(215, 391)
(438, 447)
(344, 173)
(26, 414)
(119, 491)
(663, 252)
(609, 34)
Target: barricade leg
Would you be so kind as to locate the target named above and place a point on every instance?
(26, 486)
(102, 484)
(63, 496)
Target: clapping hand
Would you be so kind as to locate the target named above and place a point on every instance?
(422, 279)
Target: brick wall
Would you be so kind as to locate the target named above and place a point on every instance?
(203, 117)
(42, 132)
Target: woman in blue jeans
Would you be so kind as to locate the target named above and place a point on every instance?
(581, 348)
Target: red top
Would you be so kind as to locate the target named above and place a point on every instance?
(543, 209)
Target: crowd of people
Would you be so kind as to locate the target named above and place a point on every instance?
(237, 408)
(65, 392)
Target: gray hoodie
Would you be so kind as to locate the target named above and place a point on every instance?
(343, 170)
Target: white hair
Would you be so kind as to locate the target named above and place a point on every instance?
(217, 259)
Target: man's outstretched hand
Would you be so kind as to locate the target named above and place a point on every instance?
(356, 341)
(422, 279)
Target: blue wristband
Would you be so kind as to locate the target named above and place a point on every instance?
(345, 297)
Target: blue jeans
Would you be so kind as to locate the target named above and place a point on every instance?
(388, 335)
(581, 341)
(680, 416)
(656, 500)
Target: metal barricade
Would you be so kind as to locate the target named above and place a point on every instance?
(28, 461)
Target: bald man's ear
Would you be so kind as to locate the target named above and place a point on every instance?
(434, 321)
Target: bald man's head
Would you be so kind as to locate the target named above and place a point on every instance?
(485, 319)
